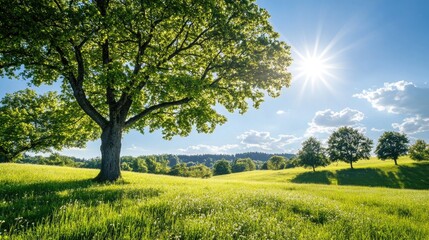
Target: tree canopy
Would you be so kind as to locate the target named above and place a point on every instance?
(31, 122)
(348, 145)
(146, 65)
(222, 167)
(243, 164)
(276, 163)
(419, 150)
(312, 154)
(392, 145)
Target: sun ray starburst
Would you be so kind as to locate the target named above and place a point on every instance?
(315, 67)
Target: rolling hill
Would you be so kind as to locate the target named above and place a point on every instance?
(46, 202)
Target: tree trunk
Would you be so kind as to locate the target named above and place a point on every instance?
(314, 169)
(4, 159)
(351, 164)
(5, 155)
(110, 153)
(396, 163)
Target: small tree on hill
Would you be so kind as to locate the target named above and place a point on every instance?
(199, 171)
(139, 165)
(126, 167)
(243, 164)
(179, 170)
(292, 162)
(239, 167)
(419, 151)
(157, 167)
(264, 166)
(392, 145)
(312, 154)
(276, 163)
(222, 167)
(348, 145)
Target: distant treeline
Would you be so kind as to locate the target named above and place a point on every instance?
(178, 165)
(190, 160)
(210, 159)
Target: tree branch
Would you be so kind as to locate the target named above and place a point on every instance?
(182, 28)
(110, 95)
(59, 6)
(10, 155)
(80, 66)
(215, 82)
(77, 87)
(125, 97)
(155, 107)
(190, 45)
(3, 150)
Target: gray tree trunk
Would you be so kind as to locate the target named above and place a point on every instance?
(110, 153)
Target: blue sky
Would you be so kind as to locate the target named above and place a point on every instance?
(358, 63)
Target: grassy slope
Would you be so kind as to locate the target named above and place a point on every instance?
(44, 202)
(374, 173)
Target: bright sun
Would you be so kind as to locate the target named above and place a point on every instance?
(314, 68)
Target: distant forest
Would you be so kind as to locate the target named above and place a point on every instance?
(168, 159)
(209, 159)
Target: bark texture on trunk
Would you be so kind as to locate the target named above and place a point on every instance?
(110, 153)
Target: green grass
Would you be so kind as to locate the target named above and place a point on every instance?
(45, 202)
(373, 173)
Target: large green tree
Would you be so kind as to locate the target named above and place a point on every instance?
(243, 164)
(419, 150)
(146, 65)
(222, 167)
(348, 145)
(312, 154)
(392, 145)
(276, 163)
(32, 122)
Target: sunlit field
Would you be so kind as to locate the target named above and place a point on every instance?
(374, 173)
(45, 202)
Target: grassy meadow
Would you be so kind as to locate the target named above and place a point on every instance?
(377, 200)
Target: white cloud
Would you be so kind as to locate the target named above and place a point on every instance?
(76, 149)
(135, 148)
(280, 112)
(202, 149)
(398, 97)
(377, 130)
(404, 98)
(284, 140)
(264, 141)
(413, 125)
(249, 140)
(327, 121)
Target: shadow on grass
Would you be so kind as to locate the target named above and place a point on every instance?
(32, 202)
(415, 176)
(412, 176)
(320, 177)
(371, 177)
